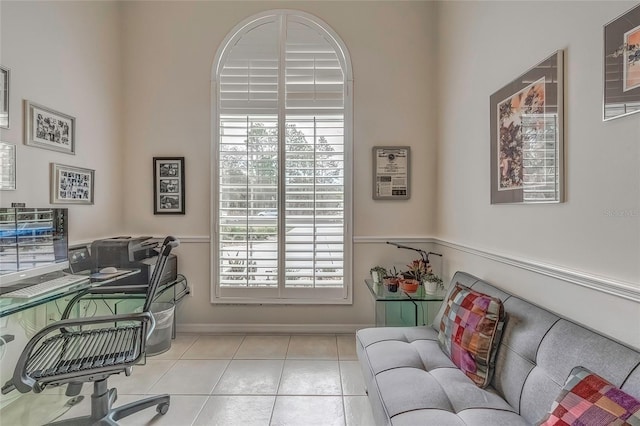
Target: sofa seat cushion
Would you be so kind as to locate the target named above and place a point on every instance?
(414, 378)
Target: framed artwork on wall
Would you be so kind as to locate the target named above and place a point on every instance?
(71, 185)
(622, 65)
(4, 97)
(7, 166)
(526, 125)
(49, 129)
(168, 185)
(391, 172)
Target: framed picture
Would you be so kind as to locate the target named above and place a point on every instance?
(4, 97)
(7, 166)
(49, 129)
(622, 65)
(391, 172)
(168, 185)
(71, 185)
(527, 136)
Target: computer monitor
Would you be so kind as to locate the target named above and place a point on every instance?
(33, 242)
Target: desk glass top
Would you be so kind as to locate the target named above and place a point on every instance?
(10, 305)
(382, 294)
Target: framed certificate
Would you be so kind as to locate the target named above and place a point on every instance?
(391, 172)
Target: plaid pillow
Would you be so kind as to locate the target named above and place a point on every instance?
(588, 400)
(470, 331)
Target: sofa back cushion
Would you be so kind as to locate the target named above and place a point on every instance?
(539, 349)
(470, 330)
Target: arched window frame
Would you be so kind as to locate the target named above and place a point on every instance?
(282, 295)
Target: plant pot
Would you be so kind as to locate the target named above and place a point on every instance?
(410, 285)
(392, 284)
(377, 277)
(430, 287)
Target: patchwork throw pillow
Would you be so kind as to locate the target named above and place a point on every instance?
(589, 400)
(470, 331)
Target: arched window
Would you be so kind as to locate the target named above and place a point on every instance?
(281, 225)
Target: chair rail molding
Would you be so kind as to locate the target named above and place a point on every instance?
(625, 290)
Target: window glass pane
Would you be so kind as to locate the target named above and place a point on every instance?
(248, 194)
(314, 200)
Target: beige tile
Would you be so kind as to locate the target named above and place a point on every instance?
(179, 346)
(141, 379)
(250, 377)
(190, 377)
(236, 410)
(308, 411)
(183, 410)
(313, 347)
(347, 347)
(357, 410)
(32, 409)
(214, 347)
(263, 347)
(303, 377)
(351, 378)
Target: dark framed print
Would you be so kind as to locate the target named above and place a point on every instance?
(49, 129)
(71, 185)
(622, 65)
(4, 97)
(527, 136)
(7, 166)
(168, 185)
(391, 172)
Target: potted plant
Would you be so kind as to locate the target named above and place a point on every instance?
(392, 280)
(416, 271)
(432, 283)
(378, 273)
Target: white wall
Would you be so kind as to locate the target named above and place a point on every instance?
(137, 77)
(168, 55)
(66, 56)
(481, 47)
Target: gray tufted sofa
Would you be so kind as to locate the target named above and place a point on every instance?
(410, 381)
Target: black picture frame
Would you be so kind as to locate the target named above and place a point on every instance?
(526, 136)
(391, 171)
(168, 185)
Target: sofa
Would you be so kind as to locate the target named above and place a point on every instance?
(411, 381)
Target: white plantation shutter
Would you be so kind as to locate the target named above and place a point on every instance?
(282, 173)
(314, 76)
(249, 76)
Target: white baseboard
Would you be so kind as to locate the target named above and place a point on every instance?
(272, 328)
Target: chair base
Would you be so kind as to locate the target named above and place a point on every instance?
(102, 412)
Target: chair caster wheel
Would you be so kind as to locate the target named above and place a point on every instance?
(163, 408)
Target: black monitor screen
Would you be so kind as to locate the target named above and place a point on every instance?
(32, 240)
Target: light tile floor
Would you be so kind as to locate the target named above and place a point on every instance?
(230, 380)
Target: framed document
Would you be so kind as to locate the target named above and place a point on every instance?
(391, 172)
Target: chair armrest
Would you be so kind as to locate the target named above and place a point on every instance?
(24, 383)
(106, 289)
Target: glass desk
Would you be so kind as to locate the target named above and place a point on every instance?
(401, 308)
(10, 305)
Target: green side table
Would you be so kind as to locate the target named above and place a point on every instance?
(401, 308)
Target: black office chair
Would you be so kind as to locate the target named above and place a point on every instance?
(71, 354)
